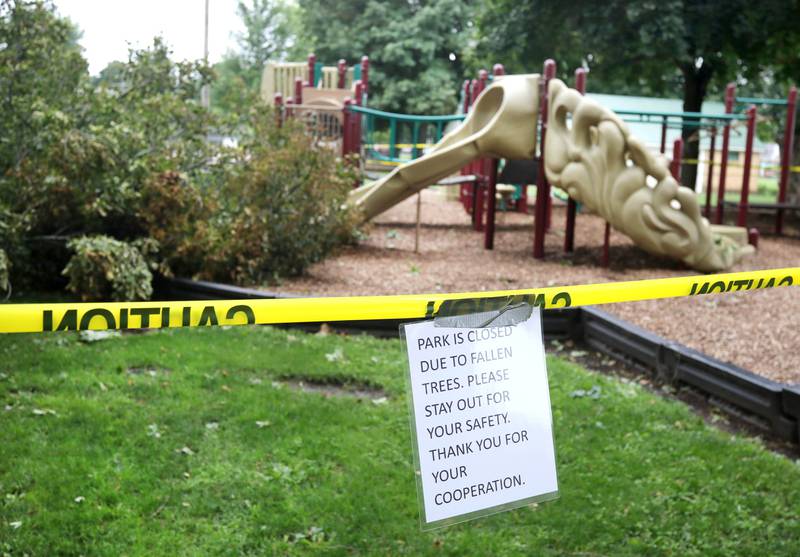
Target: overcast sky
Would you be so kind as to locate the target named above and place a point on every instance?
(110, 26)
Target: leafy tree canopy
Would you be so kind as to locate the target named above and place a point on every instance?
(641, 46)
(417, 49)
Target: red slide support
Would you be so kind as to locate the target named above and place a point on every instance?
(730, 96)
(786, 156)
(748, 161)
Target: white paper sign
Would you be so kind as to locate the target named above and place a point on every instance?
(481, 417)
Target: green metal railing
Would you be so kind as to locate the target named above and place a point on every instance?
(374, 120)
(654, 116)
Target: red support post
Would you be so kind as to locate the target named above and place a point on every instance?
(572, 206)
(664, 135)
(483, 79)
(498, 69)
(356, 118)
(710, 179)
(466, 96)
(491, 209)
(675, 165)
(278, 103)
(748, 161)
(298, 91)
(542, 187)
(289, 112)
(365, 75)
(730, 98)
(481, 165)
(341, 67)
(346, 127)
(606, 257)
(786, 156)
(312, 66)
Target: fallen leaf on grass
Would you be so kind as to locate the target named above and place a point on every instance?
(185, 451)
(335, 356)
(16, 524)
(594, 393)
(262, 424)
(43, 412)
(80, 499)
(379, 401)
(95, 336)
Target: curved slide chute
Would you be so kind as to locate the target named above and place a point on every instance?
(590, 153)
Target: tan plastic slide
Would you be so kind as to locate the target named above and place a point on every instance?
(590, 153)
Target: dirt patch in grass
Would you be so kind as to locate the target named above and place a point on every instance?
(755, 330)
(336, 387)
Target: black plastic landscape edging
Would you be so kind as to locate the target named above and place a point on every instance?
(768, 405)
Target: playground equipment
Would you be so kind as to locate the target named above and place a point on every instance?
(603, 165)
(317, 94)
(732, 102)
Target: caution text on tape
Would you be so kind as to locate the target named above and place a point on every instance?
(26, 318)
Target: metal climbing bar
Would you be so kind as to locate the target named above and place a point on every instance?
(407, 117)
(761, 100)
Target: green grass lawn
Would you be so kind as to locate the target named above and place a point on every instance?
(189, 442)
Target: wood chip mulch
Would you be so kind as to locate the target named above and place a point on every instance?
(755, 330)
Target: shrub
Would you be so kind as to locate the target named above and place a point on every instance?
(103, 268)
(124, 164)
(283, 208)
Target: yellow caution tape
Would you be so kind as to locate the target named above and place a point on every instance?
(28, 318)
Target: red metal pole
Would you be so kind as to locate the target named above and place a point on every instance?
(786, 156)
(730, 98)
(481, 165)
(542, 187)
(605, 259)
(664, 135)
(278, 109)
(365, 74)
(498, 69)
(572, 206)
(710, 180)
(466, 96)
(356, 118)
(483, 78)
(748, 160)
(346, 127)
(677, 153)
(312, 66)
(474, 166)
(298, 90)
(491, 209)
(464, 190)
(341, 66)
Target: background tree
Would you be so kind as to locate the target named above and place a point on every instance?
(417, 49)
(270, 33)
(661, 48)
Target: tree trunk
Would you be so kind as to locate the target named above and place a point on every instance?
(695, 85)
